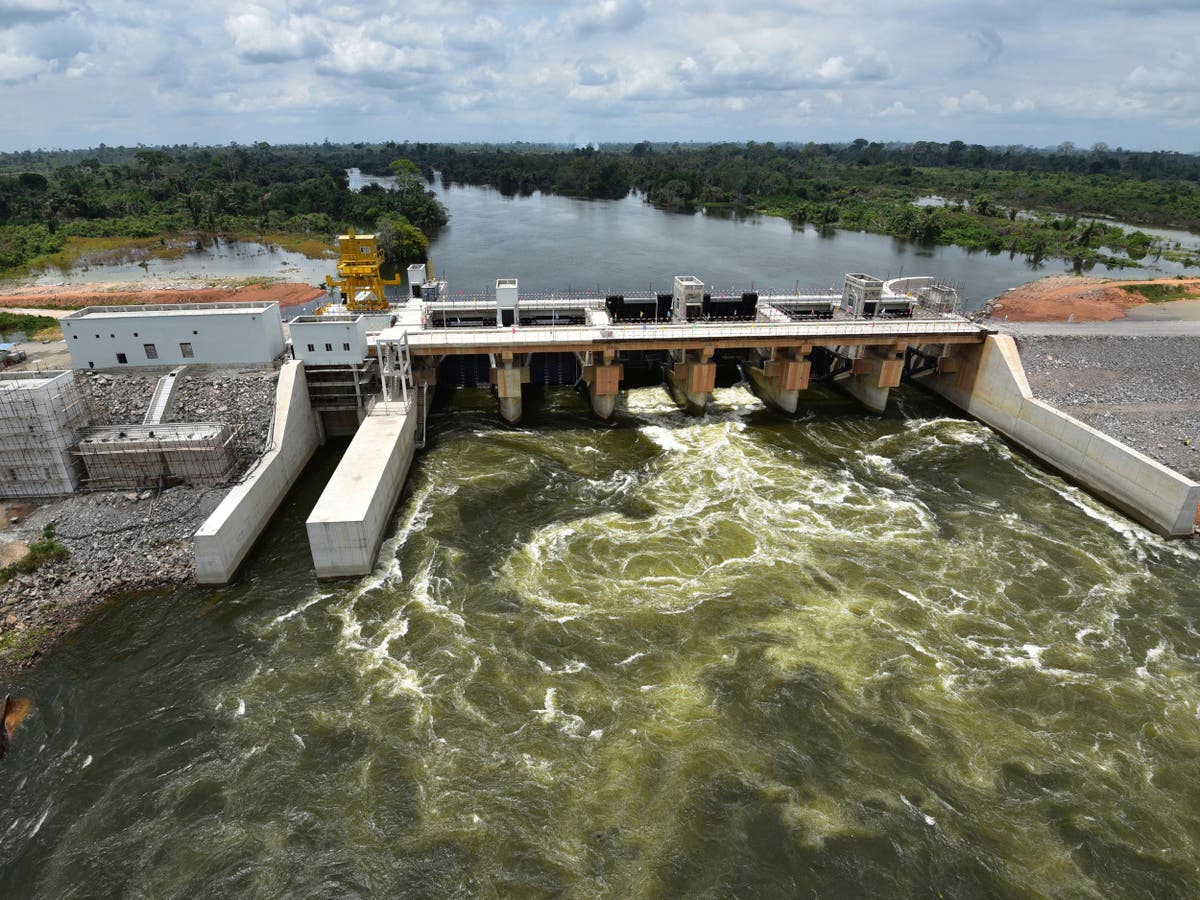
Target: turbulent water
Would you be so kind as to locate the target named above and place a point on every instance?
(740, 656)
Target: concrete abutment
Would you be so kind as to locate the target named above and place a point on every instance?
(988, 381)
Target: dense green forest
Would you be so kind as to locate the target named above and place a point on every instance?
(1036, 203)
(79, 201)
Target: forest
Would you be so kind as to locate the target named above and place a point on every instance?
(57, 205)
(1038, 203)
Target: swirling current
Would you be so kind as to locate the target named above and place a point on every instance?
(837, 655)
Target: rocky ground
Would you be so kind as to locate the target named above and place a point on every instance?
(1144, 390)
(123, 541)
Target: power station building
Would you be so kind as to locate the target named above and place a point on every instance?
(113, 337)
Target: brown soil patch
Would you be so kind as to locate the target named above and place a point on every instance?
(75, 296)
(1058, 297)
(13, 552)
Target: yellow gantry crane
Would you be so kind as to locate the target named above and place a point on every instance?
(359, 259)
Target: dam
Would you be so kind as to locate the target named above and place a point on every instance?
(372, 369)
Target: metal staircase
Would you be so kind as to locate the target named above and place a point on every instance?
(163, 398)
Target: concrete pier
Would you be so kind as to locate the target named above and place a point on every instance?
(784, 373)
(692, 378)
(876, 371)
(603, 379)
(507, 374)
(346, 526)
(226, 537)
(988, 381)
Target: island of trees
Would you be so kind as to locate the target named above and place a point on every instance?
(57, 205)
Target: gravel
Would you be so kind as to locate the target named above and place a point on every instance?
(127, 540)
(1143, 391)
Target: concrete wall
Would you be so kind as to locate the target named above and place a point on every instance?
(346, 526)
(225, 538)
(218, 334)
(990, 384)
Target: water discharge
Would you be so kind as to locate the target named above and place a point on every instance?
(743, 655)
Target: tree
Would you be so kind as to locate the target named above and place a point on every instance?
(400, 240)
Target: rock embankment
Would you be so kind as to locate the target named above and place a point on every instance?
(1141, 390)
(123, 541)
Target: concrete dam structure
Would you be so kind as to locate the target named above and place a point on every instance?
(370, 374)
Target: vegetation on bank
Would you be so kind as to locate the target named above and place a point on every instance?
(62, 209)
(37, 328)
(996, 200)
(47, 550)
(1165, 293)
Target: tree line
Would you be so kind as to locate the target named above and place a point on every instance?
(1035, 202)
(49, 198)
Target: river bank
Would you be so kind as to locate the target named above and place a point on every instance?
(123, 541)
(1080, 298)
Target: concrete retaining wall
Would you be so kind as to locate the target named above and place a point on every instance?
(990, 384)
(225, 538)
(346, 526)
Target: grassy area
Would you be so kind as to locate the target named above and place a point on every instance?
(81, 251)
(312, 246)
(47, 550)
(1165, 293)
(37, 328)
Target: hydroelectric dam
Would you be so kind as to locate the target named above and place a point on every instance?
(368, 368)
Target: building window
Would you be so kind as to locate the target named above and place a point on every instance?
(122, 358)
(151, 351)
(135, 334)
(186, 349)
(329, 348)
(195, 332)
(346, 347)
(112, 335)
(75, 337)
(311, 348)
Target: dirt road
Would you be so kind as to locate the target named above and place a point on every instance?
(1057, 298)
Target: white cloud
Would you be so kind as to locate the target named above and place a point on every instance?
(897, 109)
(1178, 75)
(972, 102)
(993, 71)
(260, 36)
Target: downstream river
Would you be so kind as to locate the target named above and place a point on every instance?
(839, 655)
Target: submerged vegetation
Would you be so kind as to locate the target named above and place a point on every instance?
(60, 208)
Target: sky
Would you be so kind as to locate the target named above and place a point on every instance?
(77, 73)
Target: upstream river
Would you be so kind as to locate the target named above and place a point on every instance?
(555, 243)
(839, 655)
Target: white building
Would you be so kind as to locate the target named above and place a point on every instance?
(330, 340)
(108, 337)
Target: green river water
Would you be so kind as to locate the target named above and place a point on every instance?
(744, 656)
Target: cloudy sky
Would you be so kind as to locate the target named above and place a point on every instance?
(80, 72)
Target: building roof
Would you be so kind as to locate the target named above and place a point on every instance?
(168, 309)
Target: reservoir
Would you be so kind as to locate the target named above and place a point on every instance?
(742, 655)
(555, 243)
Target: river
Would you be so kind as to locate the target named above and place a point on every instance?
(839, 655)
(555, 243)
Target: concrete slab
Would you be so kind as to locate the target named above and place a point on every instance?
(346, 526)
